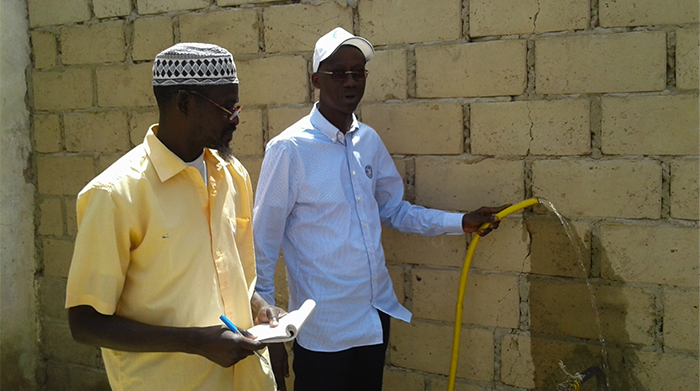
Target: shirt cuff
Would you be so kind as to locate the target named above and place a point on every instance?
(453, 223)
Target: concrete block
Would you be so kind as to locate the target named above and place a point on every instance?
(457, 184)
(506, 249)
(103, 131)
(434, 128)
(502, 17)
(396, 379)
(52, 297)
(47, 133)
(644, 12)
(531, 128)
(680, 319)
(111, 8)
(51, 221)
(471, 69)
(426, 347)
(553, 253)
(248, 138)
(532, 363)
(235, 30)
(396, 273)
(139, 123)
(151, 36)
(280, 118)
(223, 3)
(384, 22)
(125, 85)
(57, 256)
(441, 383)
(162, 6)
(685, 189)
(517, 363)
(490, 299)
(650, 254)
(71, 215)
(44, 49)
(286, 77)
(442, 250)
(667, 372)
(50, 12)
(58, 344)
(687, 54)
(625, 62)
(67, 89)
(63, 175)
(650, 125)
(311, 22)
(95, 43)
(627, 314)
(388, 77)
(61, 376)
(607, 188)
(253, 164)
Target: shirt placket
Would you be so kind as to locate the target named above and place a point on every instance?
(220, 264)
(361, 207)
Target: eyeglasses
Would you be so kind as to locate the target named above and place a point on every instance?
(233, 113)
(341, 75)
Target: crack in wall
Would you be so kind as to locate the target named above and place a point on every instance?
(537, 14)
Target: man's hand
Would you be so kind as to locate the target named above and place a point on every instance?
(223, 346)
(269, 314)
(264, 312)
(280, 364)
(471, 222)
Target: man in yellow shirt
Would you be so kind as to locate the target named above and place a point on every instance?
(164, 244)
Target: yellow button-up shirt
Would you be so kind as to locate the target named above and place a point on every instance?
(156, 246)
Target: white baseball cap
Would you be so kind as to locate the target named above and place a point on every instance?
(329, 44)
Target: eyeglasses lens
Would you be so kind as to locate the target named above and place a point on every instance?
(341, 75)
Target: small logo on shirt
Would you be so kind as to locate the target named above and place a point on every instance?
(368, 171)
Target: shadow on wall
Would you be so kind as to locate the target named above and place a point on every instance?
(569, 316)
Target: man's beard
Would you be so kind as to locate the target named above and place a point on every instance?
(225, 152)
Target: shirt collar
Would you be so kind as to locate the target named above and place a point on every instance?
(165, 162)
(328, 129)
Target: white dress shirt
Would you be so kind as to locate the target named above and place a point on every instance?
(323, 196)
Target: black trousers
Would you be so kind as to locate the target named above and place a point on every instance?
(359, 368)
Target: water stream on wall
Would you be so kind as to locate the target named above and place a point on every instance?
(572, 238)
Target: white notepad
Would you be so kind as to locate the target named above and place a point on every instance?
(289, 325)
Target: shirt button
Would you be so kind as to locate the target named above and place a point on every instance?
(358, 198)
(353, 173)
(364, 225)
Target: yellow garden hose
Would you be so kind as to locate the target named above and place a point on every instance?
(463, 286)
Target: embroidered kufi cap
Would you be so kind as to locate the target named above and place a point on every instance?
(329, 44)
(191, 63)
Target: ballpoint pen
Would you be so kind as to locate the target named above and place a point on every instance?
(242, 332)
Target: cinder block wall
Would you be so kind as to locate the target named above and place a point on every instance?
(591, 104)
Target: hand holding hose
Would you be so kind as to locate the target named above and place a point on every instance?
(475, 221)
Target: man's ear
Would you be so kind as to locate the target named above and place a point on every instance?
(314, 80)
(182, 102)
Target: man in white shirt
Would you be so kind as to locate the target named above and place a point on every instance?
(326, 187)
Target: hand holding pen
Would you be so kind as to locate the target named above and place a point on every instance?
(242, 332)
